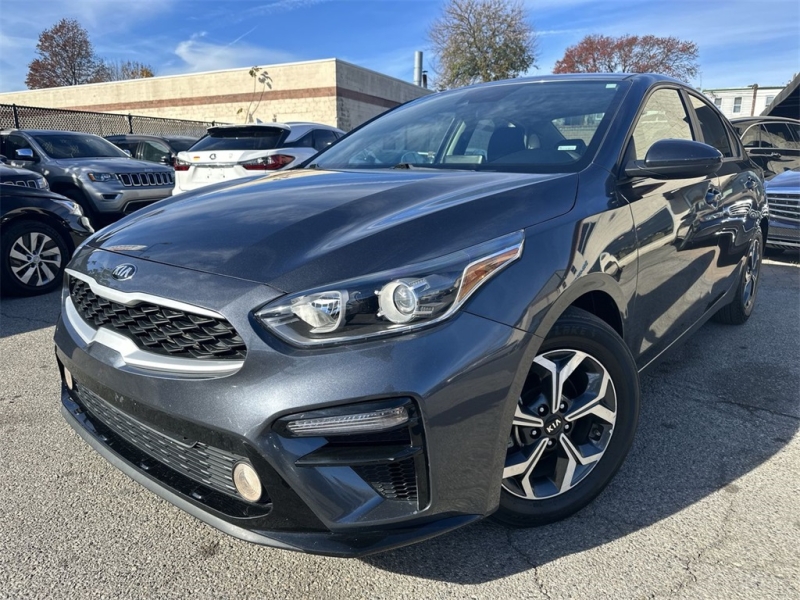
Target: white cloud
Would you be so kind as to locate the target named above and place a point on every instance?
(199, 55)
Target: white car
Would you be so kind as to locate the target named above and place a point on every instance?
(232, 151)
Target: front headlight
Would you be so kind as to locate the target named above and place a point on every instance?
(390, 302)
(73, 207)
(42, 184)
(101, 177)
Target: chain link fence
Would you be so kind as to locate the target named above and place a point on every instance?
(103, 124)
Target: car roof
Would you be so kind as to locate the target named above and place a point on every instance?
(754, 119)
(47, 131)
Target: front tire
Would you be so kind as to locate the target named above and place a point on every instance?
(574, 423)
(34, 256)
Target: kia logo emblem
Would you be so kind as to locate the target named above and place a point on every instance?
(123, 272)
(212, 156)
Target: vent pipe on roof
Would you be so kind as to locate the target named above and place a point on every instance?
(418, 68)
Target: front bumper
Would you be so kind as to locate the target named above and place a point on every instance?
(114, 198)
(783, 233)
(464, 398)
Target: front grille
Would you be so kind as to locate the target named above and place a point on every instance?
(23, 183)
(785, 206)
(204, 464)
(395, 481)
(146, 179)
(159, 329)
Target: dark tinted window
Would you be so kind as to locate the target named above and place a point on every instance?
(752, 137)
(307, 141)
(12, 143)
(714, 132)
(153, 151)
(72, 145)
(241, 138)
(180, 145)
(323, 138)
(777, 135)
(129, 146)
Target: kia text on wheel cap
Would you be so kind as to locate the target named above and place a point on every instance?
(123, 272)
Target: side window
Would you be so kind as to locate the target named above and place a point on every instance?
(153, 151)
(307, 141)
(129, 146)
(714, 132)
(14, 143)
(777, 135)
(323, 138)
(794, 129)
(664, 117)
(737, 104)
(752, 137)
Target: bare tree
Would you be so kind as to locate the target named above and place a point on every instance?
(65, 57)
(128, 69)
(481, 40)
(631, 54)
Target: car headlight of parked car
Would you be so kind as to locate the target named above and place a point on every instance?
(390, 302)
(73, 207)
(101, 177)
(42, 184)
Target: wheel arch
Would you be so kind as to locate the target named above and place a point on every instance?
(31, 214)
(596, 293)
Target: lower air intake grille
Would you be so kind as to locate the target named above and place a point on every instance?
(204, 464)
(395, 481)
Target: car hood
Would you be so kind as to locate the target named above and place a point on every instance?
(787, 179)
(305, 228)
(108, 165)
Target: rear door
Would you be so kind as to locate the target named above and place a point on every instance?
(675, 263)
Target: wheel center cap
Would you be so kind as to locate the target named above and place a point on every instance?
(553, 426)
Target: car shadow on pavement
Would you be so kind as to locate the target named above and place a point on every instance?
(21, 315)
(714, 410)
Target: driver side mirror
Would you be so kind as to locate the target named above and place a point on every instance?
(676, 159)
(24, 154)
(166, 159)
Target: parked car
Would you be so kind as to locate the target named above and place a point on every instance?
(39, 231)
(233, 151)
(89, 170)
(443, 317)
(783, 195)
(772, 142)
(153, 148)
(23, 177)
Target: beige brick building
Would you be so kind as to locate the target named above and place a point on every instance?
(328, 91)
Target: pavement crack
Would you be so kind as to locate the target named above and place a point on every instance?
(748, 407)
(27, 319)
(529, 562)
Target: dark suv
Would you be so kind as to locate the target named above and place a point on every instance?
(153, 148)
(93, 172)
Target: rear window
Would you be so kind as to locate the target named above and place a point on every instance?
(180, 145)
(241, 138)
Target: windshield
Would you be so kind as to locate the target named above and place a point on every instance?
(519, 126)
(241, 138)
(77, 145)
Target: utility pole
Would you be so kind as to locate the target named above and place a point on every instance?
(753, 105)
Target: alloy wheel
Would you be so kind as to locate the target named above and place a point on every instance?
(562, 426)
(751, 273)
(35, 259)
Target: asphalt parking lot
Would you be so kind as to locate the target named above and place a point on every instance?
(706, 506)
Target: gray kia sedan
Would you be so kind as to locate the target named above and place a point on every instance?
(442, 317)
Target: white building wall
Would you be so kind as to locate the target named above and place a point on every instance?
(725, 99)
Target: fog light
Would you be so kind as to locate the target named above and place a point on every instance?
(68, 378)
(376, 420)
(247, 482)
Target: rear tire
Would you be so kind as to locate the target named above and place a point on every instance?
(33, 258)
(741, 307)
(563, 452)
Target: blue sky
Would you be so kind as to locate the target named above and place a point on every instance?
(741, 41)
